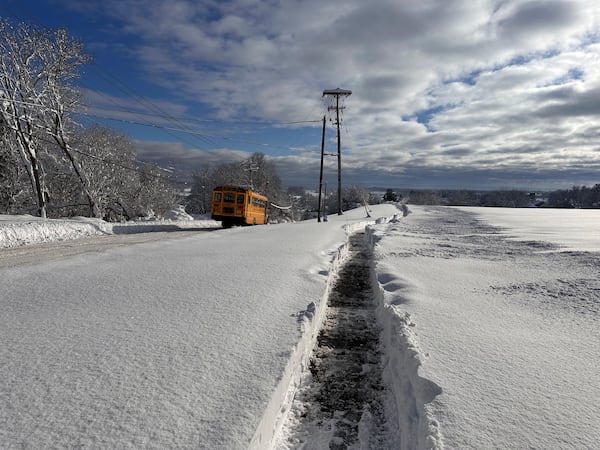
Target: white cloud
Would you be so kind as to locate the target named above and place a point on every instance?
(493, 81)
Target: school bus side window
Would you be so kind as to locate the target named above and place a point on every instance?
(240, 199)
(217, 196)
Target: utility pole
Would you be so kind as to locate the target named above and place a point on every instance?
(337, 93)
(321, 174)
(249, 166)
(325, 204)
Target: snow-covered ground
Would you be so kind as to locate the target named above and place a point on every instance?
(571, 229)
(490, 335)
(177, 343)
(503, 323)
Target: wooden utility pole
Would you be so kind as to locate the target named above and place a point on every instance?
(321, 174)
(337, 93)
(249, 166)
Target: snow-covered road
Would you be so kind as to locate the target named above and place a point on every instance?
(56, 250)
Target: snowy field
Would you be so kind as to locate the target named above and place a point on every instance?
(506, 322)
(490, 335)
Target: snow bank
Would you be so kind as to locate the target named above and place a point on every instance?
(16, 231)
(408, 406)
(309, 321)
(178, 214)
(24, 230)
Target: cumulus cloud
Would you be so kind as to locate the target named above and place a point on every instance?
(494, 88)
(184, 159)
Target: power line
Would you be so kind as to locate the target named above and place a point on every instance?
(163, 127)
(146, 103)
(122, 87)
(107, 161)
(186, 131)
(201, 120)
(179, 123)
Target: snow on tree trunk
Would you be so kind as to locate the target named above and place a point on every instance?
(36, 98)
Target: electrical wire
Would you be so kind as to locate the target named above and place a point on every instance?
(81, 152)
(117, 84)
(164, 128)
(186, 131)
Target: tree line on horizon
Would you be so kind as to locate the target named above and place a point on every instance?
(575, 197)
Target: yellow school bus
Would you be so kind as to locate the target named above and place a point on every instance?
(238, 205)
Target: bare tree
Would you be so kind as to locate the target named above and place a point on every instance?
(120, 187)
(16, 52)
(354, 196)
(264, 176)
(63, 56)
(108, 164)
(199, 199)
(256, 171)
(156, 196)
(36, 68)
(14, 190)
(231, 173)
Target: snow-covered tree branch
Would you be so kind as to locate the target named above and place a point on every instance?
(37, 99)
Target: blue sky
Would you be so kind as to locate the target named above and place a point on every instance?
(446, 93)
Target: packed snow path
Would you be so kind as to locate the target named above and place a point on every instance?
(341, 405)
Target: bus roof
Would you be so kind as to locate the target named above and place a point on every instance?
(239, 188)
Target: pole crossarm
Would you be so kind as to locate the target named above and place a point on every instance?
(338, 91)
